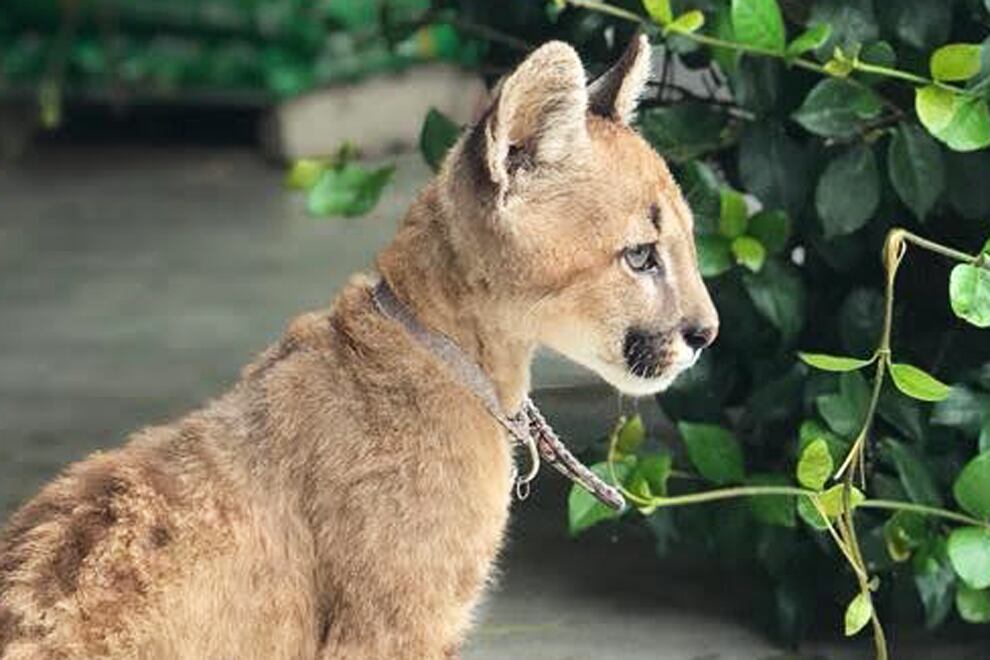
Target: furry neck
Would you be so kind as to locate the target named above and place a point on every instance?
(423, 268)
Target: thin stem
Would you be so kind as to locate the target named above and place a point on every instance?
(894, 505)
(938, 248)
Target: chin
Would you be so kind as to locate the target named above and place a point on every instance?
(619, 377)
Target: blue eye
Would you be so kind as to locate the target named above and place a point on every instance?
(642, 258)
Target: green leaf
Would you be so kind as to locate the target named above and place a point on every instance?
(852, 21)
(969, 552)
(774, 167)
(934, 579)
(904, 532)
(758, 23)
(935, 107)
(845, 410)
(815, 466)
(917, 384)
(583, 508)
(914, 161)
(831, 502)
(812, 38)
(659, 11)
(714, 451)
(687, 22)
(956, 62)
(304, 173)
(837, 108)
(833, 362)
(858, 613)
(684, 131)
(848, 193)
(967, 175)
(778, 294)
(811, 430)
(973, 604)
(776, 510)
(702, 192)
(963, 409)
(969, 128)
(714, 255)
(733, 214)
(922, 24)
(749, 252)
(631, 435)
(438, 135)
(972, 487)
(772, 229)
(655, 469)
(349, 190)
(969, 294)
(915, 476)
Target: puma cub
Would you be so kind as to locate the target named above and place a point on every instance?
(347, 498)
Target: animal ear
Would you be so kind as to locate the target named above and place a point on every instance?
(538, 116)
(615, 93)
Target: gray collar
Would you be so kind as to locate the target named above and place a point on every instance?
(527, 427)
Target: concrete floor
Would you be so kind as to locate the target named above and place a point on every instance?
(133, 284)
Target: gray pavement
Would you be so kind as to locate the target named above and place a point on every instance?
(135, 283)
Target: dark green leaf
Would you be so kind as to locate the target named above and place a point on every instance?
(969, 294)
(349, 190)
(963, 409)
(815, 466)
(903, 413)
(833, 362)
(904, 532)
(684, 131)
(438, 135)
(778, 294)
(935, 580)
(845, 410)
(848, 193)
(772, 509)
(972, 487)
(968, 193)
(837, 108)
(915, 164)
(861, 320)
(701, 189)
(973, 605)
(772, 229)
(748, 252)
(714, 451)
(714, 255)
(583, 508)
(758, 23)
(956, 62)
(852, 22)
(774, 167)
(914, 474)
(922, 24)
(969, 552)
(917, 384)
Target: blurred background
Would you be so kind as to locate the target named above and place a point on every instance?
(178, 178)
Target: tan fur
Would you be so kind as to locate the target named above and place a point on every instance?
(347, 498)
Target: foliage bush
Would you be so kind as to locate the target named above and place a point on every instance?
(831, 135)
